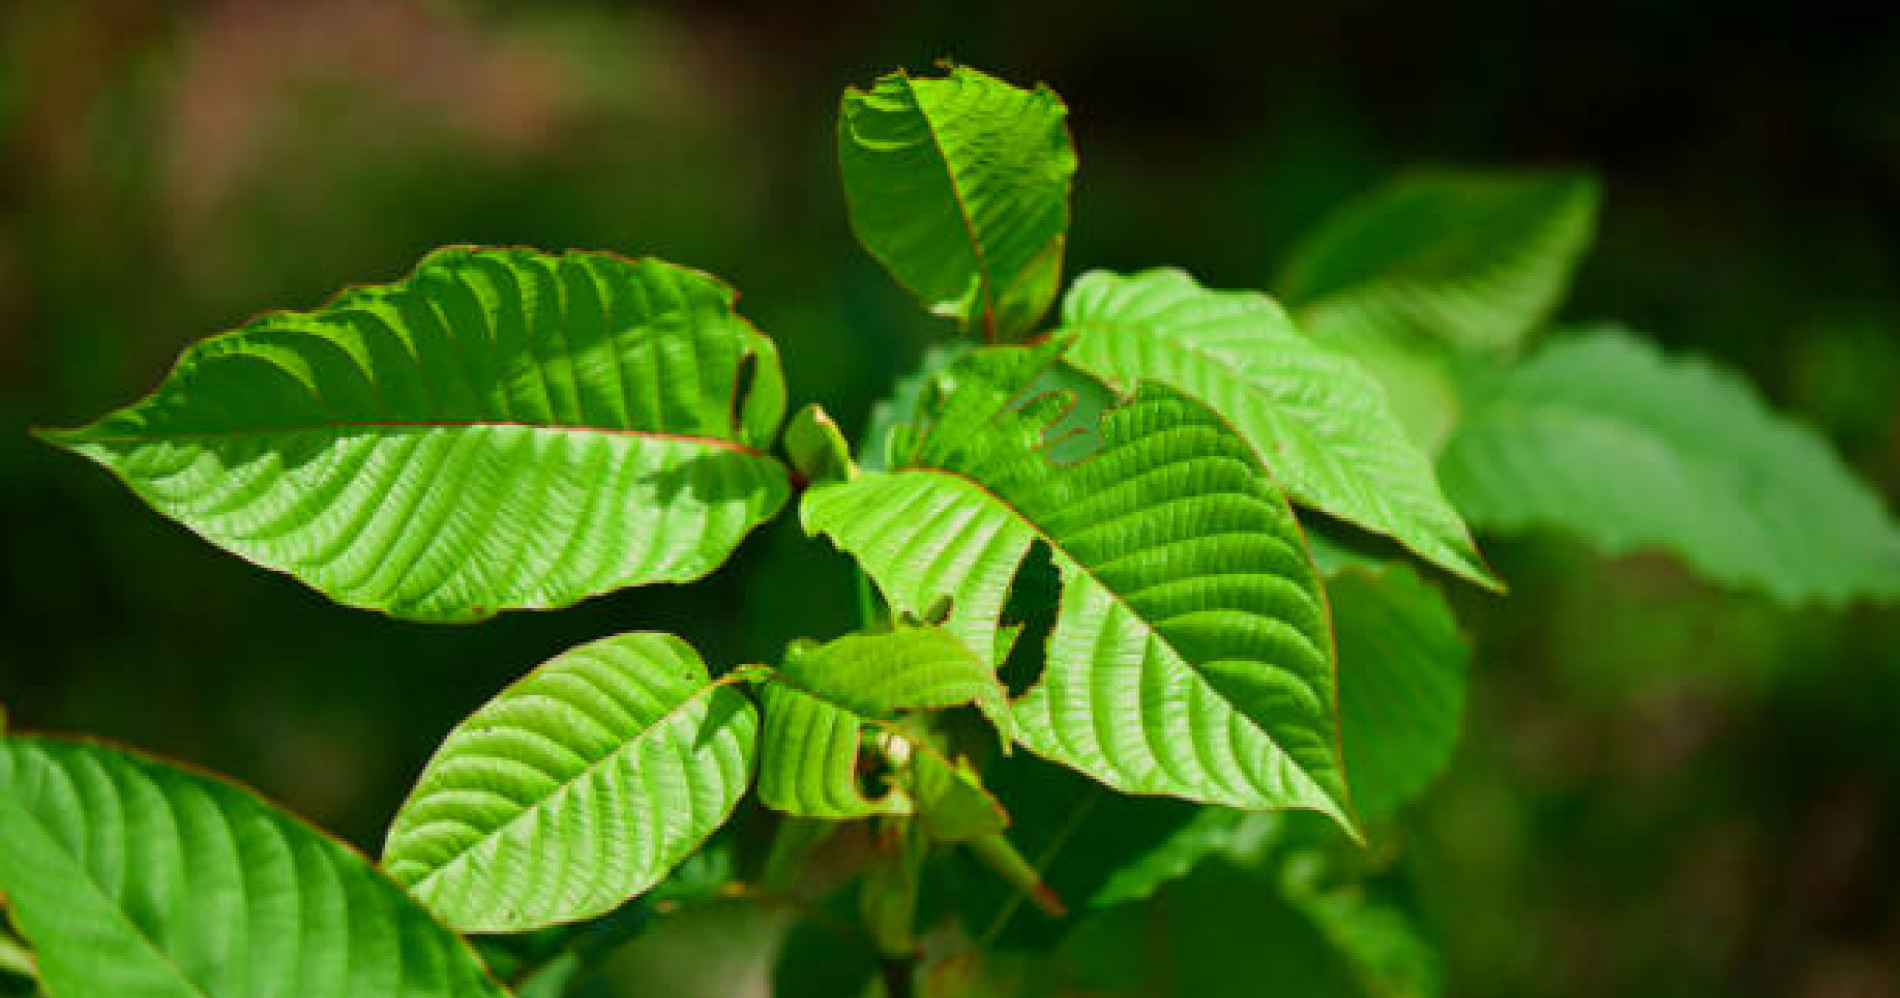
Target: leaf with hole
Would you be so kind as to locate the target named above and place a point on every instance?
(819, 703)
(1191, 654)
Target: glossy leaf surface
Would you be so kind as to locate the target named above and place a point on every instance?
(959, 185)
(1191, 654)
(1316, 419)
(819, 703)
(576, 788)
(500, 429)
(137, 879)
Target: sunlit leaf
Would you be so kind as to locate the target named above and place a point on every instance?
(576, 788)
(819, 702)
(1191, 654)
(1602, 436)
(959, 185)
(501, 428)
(135, 878)
(1318, 421)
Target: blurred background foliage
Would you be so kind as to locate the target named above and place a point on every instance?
(1663, 789)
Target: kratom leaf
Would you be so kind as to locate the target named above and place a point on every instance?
(808, 765)
(817, 447)
(1214, 831)
(1473, 259)
(1402, 669)
(1377, 940)
(951, 800)
(895, 412)
(1318, 421)
(1191, 654)
(819, 702)
(502, 428)
(136, 878)
(576, 788)
(875, 675)
(1602, 436)
(959, 185)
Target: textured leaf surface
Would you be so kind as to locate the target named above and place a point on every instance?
(818, 703)
(875, 675)
(1604, 437)
(959, 185)
(136, 879)
(499, 429)
(1191, 653)
(576, 788)
(808, 765)
(1402, 670)
(1473, 259)
(1317, 420)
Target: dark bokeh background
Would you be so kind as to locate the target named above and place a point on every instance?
(1664, 790)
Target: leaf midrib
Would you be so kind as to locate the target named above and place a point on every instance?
(85, 877)
(958, 198)
(1387, 517)
(82, 436)
(1148, 625)
(586, 773)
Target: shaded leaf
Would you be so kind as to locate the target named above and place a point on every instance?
(502, 428)
(951, 800)
(959, 185)
(135, 878)
(1191, 654)
(1318, 421)
(1474, 259)
(1602, 436)
(1402, 670)
(576, 788)
(817, 447)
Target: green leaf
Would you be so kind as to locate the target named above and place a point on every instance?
(1191, 654)
(959, 186)
(1602, 436)
(809, 764)
(819, 702)
(1317, 420)
(1474, 259)
(1213, 831)
(875, 675)
(951, 800)
(136, 878)
(1402, 670)
(1378, 940)
(500, 429)
(817, 447)
(576, 788)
